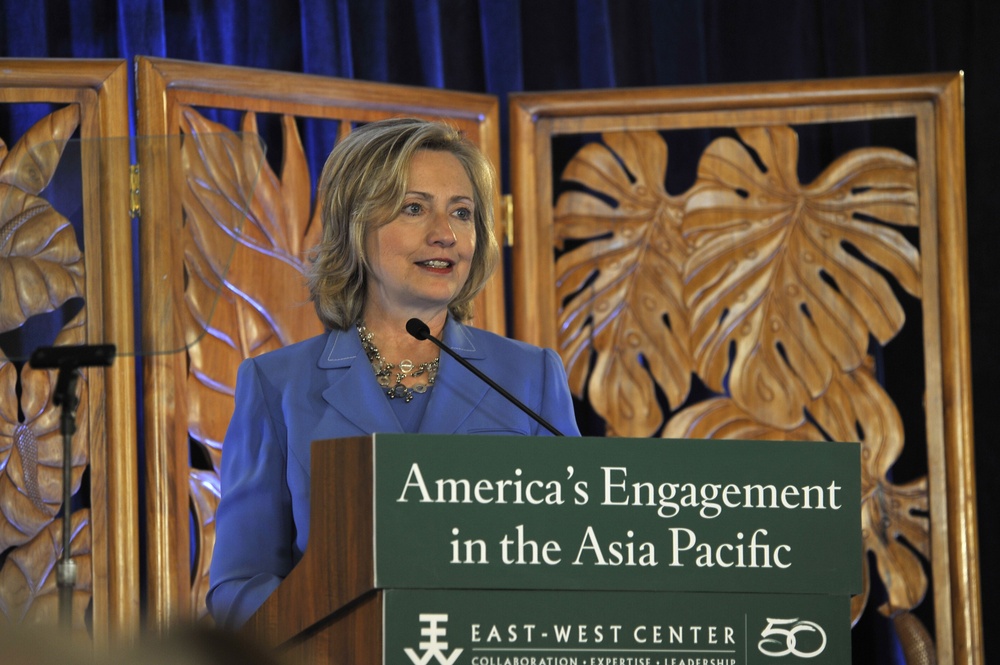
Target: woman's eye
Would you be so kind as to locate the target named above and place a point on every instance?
(464, 214)
(412, 208)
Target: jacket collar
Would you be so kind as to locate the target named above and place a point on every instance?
(357, 397)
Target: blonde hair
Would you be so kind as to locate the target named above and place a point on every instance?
(362, 187)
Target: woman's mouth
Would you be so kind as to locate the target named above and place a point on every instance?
(436, 264)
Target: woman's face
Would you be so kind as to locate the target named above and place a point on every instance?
(421, 259)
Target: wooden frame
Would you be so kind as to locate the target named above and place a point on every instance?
(935, 102)
(99, 88)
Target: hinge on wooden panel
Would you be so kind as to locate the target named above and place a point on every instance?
(133, 190)
(508, 219)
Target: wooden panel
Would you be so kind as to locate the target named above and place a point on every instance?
(259, 299)
(745, 301)
(89, 98)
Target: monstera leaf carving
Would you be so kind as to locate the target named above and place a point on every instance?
(621, 288)
(857, 408)
(769, 290)
(40, 262)
(784, 274)
(722, 418)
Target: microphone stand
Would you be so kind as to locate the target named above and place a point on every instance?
(68, 360)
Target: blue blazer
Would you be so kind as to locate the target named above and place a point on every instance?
(325, 388)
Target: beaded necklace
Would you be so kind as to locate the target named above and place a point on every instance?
(384, 370)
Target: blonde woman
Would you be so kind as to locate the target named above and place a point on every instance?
(407, 233)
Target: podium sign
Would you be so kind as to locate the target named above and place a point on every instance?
(455, 512)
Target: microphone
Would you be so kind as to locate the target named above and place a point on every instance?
(74, 357)
(419, 329)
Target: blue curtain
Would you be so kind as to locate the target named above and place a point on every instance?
(502, 46)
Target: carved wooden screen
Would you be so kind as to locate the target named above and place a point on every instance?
(758, 288)
(262, 301)
(45, 263)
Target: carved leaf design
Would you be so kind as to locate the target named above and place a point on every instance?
(857, 408)
(860, 601)
(244, 255)
(842, 215)
(241, 227)
(28, 590)
(296, 186)
(31, 451)
(41, 266)
(621, 286)
(891, 515)
(32, 161)
(722, 418)
(784, 286)
(205, 494)
(40, 262)
(783, 274)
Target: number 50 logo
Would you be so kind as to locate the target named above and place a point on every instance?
(781, 638)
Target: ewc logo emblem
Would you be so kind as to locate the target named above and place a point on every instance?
(434, 646)
(781, 638)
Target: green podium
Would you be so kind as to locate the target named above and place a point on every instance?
(491, 550)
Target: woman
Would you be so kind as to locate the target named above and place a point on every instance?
(407, 233)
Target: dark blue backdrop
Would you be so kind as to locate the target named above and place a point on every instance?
(499, 46)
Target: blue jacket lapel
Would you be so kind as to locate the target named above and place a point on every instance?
(352, 390)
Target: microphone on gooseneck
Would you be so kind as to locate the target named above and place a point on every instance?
(419, 329)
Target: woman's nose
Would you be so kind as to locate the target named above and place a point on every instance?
(440, 232)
